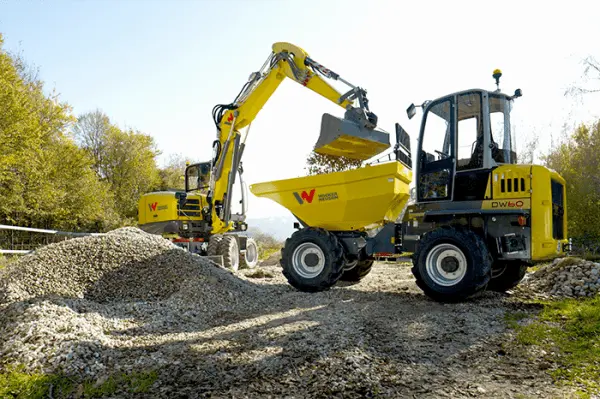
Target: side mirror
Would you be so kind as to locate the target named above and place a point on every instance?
(411, 111)
(518, 93)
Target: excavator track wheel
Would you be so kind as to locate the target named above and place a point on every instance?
(312, 260)
(249, 259)
(228, 247)
(452, 264)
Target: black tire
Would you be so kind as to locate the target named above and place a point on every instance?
(213, 245)
(228, 247)
(462, 256)
(249, 259)
(506, 275)
(358, 272)
(314, 245)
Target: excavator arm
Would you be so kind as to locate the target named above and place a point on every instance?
(354, 137)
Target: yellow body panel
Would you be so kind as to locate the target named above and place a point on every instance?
(544, 246)
(162, 206)
(358, 199)
(533, 191)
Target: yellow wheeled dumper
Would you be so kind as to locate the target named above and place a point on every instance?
(477, 220)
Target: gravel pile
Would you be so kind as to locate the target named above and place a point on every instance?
(65, 306)
(566, 277)
(125, 264)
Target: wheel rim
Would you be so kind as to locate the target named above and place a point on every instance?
(308, 260)
(235, 260)
(251, 254)
(235, 255)
(446, 265)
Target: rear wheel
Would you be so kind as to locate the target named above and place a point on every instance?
(451, 264)
(228, 247)
(312, 260)
(249, 259)
(506, 275)
(358, 272)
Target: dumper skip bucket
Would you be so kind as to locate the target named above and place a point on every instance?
(352, 200)
(343, 137)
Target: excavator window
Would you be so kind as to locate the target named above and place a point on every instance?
(197, 177)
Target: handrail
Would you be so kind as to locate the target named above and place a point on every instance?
(43, 231)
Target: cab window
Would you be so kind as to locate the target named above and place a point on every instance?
(469, 132)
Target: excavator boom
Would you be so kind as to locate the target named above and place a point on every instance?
(355, 136)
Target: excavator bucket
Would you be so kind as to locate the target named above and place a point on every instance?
(344, 137)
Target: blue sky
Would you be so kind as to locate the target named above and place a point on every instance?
(160, 66)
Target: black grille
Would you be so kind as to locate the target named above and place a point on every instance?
(558, 210)
(512, 185)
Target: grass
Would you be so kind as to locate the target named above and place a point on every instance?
(570, 329)
(4, 261)
(15, 383)
(260, 273)
(18, 384)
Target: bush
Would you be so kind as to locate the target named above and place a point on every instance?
(267, 244)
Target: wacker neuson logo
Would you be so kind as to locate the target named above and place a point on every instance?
(309, 196)
(154, 207)
(305, 196)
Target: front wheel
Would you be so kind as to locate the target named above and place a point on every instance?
(451, 264)
(312, 260)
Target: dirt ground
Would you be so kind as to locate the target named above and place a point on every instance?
(381, 337)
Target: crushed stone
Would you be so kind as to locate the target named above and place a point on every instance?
(567, 277)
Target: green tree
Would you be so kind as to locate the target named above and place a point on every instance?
(45, 179)
(578, 162)
(172, 176)
(123, 159)
(317, 164)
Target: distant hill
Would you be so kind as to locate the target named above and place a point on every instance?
(280, 227)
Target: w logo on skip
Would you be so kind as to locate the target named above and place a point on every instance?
(305, 196)
(152, 206)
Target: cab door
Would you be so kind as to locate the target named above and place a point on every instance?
(436, 161)
(471, 179)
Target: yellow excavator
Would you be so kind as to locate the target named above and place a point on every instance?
(200, 218)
